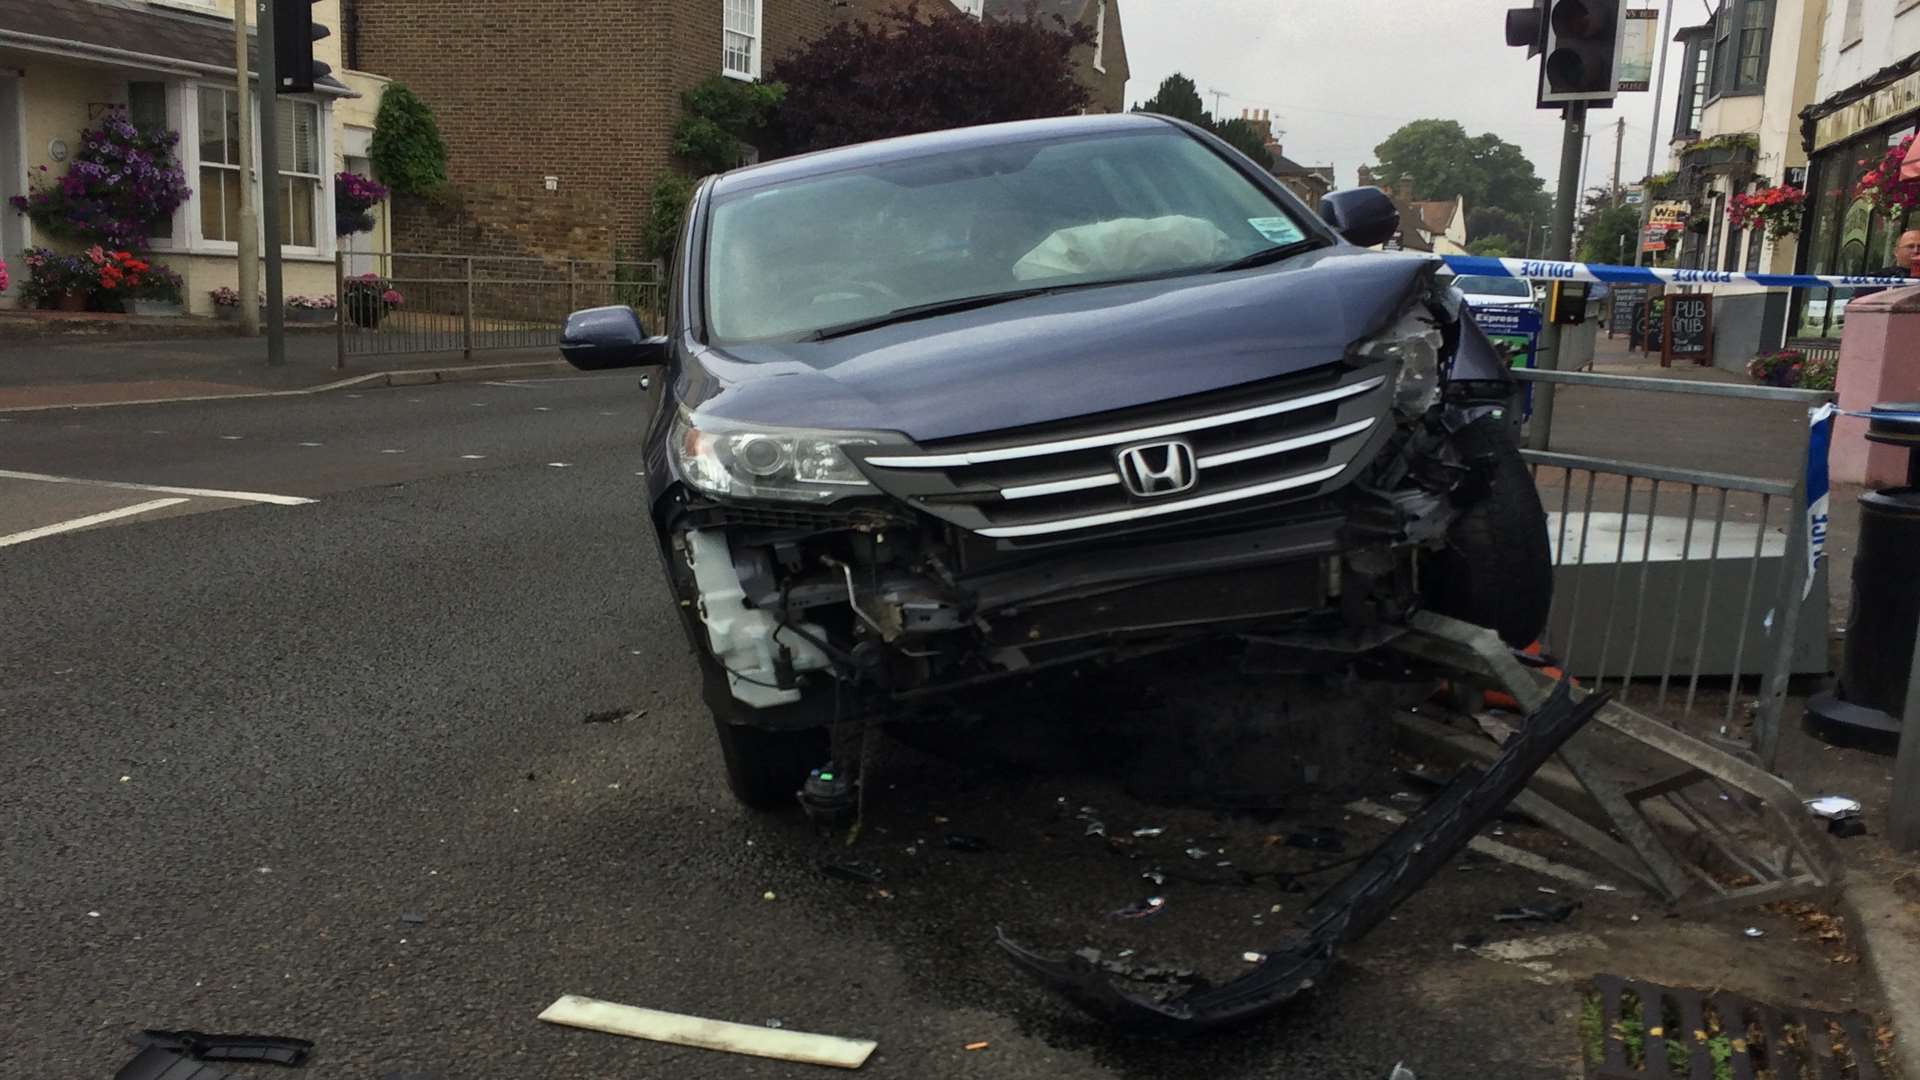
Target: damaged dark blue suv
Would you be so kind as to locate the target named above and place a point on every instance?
(950, 409)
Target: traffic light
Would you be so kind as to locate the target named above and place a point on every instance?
(294, 33)
(1582, 48)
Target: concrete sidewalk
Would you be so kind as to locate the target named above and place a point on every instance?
(56, 370)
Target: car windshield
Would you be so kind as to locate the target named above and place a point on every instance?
(1479, 285)
(834, 250)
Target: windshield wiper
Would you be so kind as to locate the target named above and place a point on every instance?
(1267, 255)
(923, 311)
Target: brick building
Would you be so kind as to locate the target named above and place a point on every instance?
(1102, 67)
(558, 115)
(1309, 182)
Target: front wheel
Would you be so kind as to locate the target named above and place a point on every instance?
(1497, 568)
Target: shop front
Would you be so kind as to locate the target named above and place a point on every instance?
(1848, 136)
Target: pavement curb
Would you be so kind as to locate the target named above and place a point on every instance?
(1878, 914)
(403, 377)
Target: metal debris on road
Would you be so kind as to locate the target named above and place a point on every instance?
(1551, 913)
(1196, 854)
(681, 1030)
(1755, 932)
(1152, 905)
(1096, 828)
(860, 873)
(1155, 876)
(1152, 830)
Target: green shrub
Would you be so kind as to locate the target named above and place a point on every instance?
(408, 153)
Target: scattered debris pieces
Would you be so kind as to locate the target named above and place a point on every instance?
(164, 1054)
(976, 1046)
(1151, 830)
(1152, 905)
(1847, 827)
(1096, 828)
(1548, 913)
(613, 716)
(958, 841)
(1254, 957)
(681, 1030)
(1833, 807)
(1401, 1072)
(1470, 942)
(768, 895)
(1155, 876)
(412, 917)
(1315, 838)
(1755, 932)
(1196, 853)
(860, 873)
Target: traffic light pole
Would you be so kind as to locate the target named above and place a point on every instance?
(270, 185)
(249, 238)
(1560, 246)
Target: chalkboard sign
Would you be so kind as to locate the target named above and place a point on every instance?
(1626, 300)
(1655, 331)
(1689, 329)
(1637, 327)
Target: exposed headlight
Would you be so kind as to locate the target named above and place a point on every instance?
(1414, 343)
(722, 457)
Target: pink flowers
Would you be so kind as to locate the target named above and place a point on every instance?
(392, 298)
(1775, 209)
(1885, 182)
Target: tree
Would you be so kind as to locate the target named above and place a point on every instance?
(1178, 97)
(1491, 221)
(1242, 137)
(1443, 161)
(407, 153)
(1493, 245)
(916, 71)
(1606, 231)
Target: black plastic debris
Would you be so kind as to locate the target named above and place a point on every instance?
(160, 1063)
(412, 918)
(860, 873)
(605, 716)
(258, 1049)
(1152, 905)
(1559, 911)
(1317, 838)
(1847, 827)
(1428, 841)
(959, 841)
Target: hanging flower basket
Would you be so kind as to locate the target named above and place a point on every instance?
(121, 182)
(1883, 184)
(1778, 210)
(354, 197)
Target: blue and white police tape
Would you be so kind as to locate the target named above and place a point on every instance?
(1819, 439)
(1551, 270)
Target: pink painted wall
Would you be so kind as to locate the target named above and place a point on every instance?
(1879, 361)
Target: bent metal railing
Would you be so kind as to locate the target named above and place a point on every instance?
(1667, 562)
(429, 303)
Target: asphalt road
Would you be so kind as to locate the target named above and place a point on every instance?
(323, 770)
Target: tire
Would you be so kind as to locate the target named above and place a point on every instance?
(766, 768)
(1497, 568)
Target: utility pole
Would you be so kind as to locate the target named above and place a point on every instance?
(1560, 247)
(270, 185)
(1665, 30)
(1619, 138)
(1217, 96)
(249, 238)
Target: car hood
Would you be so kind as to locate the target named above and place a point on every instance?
(1053, 357)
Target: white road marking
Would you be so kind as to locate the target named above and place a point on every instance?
(541, 408)
(393, 451)
(608, 412)
(91, 519)
(310, 444)
(477, 404)
(158, 489)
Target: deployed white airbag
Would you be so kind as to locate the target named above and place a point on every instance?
(1123, 246)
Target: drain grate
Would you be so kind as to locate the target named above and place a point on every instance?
(1634, 1030)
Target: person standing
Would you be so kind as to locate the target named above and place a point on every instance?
(1906, 257)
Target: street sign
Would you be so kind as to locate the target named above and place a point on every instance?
(1636, 48)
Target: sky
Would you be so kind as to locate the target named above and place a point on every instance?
(1339, 76)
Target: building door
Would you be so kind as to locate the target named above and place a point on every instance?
(365, 251)
(13, 180)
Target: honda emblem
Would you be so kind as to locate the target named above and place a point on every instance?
(1162, 468)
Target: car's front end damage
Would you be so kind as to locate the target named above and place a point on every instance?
(868, 569)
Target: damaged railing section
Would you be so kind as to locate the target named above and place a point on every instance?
(1680, 585)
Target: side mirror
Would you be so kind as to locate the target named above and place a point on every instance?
(603, 338)
(1365, 216)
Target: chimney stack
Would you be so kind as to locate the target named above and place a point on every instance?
(1403, 189)
(1366, 177)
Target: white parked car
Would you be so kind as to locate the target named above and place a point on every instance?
(1488, 291)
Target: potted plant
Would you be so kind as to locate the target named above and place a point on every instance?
(60, 282)
(158, 293)
(117, 275)
(226, 303)
(310, 309)
(1782, 367)
(1775, 209)
(354, 197)
(368, 298)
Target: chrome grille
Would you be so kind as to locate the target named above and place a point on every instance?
(1293, 437)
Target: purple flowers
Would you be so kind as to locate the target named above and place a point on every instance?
(122, 183)
(353, 197)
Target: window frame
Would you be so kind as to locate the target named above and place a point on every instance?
(1100, 38)
(1852, 24)
(755, 39)
(1693, 86)
(1728, 39)
(189, 127)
